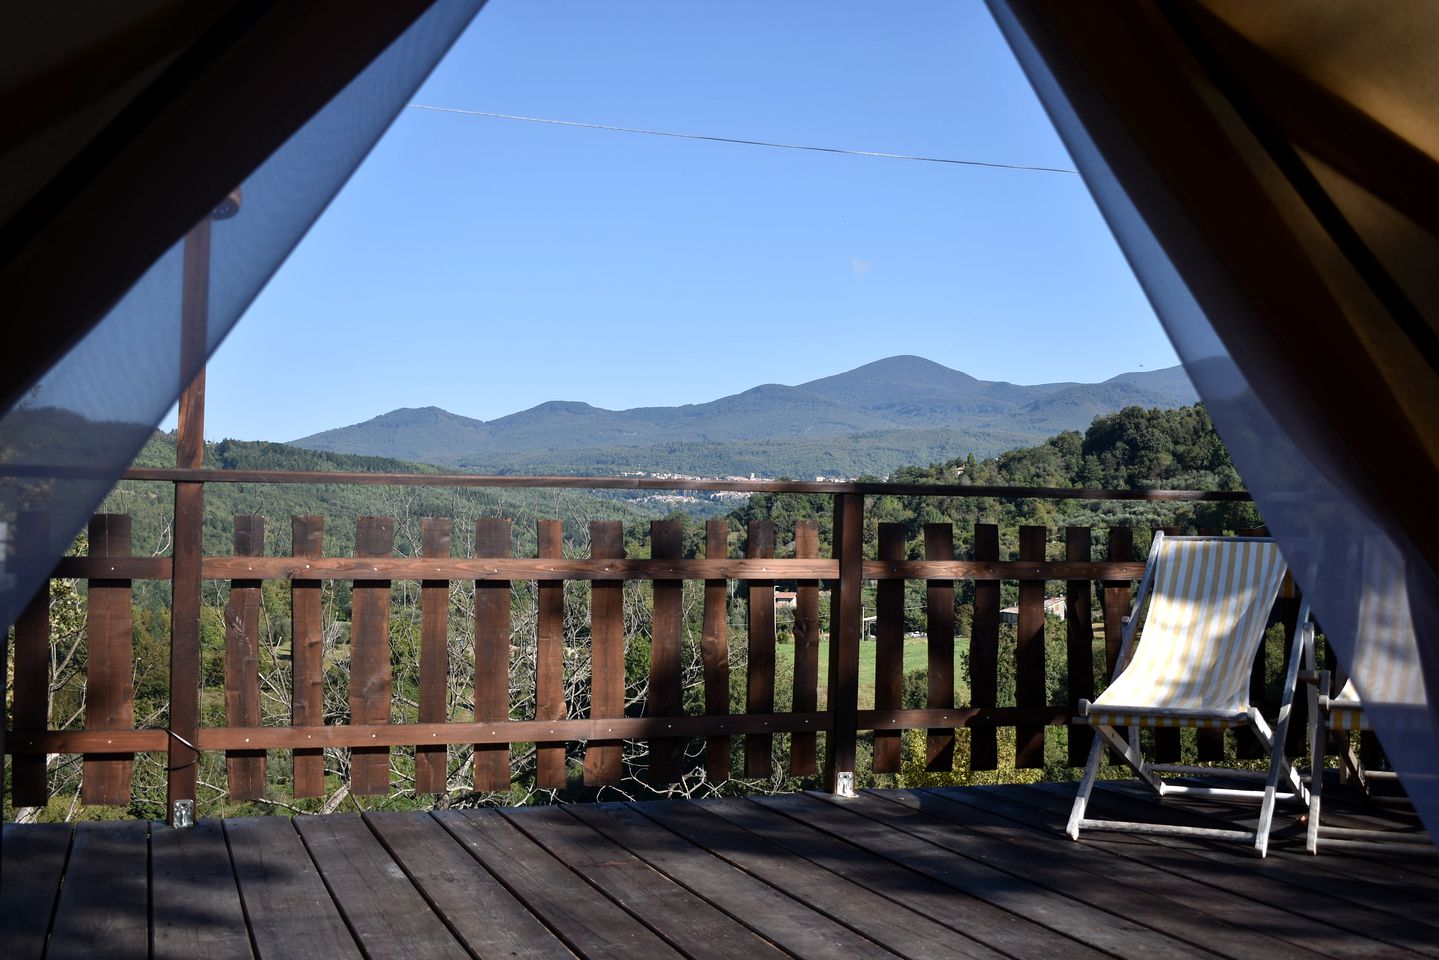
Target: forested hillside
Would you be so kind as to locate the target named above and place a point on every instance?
(1134, 449)
(872, 419)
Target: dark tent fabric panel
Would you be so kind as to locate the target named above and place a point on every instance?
(285, 106)
(1255, 190)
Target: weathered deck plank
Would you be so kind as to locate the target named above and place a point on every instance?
(194, 901)
(589, 923)
(34, 863)
(1070, 918)
(1228, 924)
(795, 927)
(288, 908)
(975, 918)
(687, 922)
(379, 903)
(922, 874)
(1289, 886)
(104, 900)
(476, 906)
(717, 826)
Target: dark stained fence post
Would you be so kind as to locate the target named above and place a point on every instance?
(307, 655)
(984, 652)
(492, 655)
(802, 758)
(1116, 597)
(1029, 653)
(889, 650)
(550, 658)
(182, 758)
(431, 759)
(244, 769)
(714, 649)
(939, 604)
(1079, 642)
(370, 676)
(759, 690)
(603, 757)
(665, 694)
(29, 785)
(846, 621)
(109, 689)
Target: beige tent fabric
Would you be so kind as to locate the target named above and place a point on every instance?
(1271, 171)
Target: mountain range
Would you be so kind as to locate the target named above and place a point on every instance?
(896, 411)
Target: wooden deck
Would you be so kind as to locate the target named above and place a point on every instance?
(977, 872)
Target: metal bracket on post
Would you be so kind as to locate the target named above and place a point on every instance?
(182, 814)
(844, 785)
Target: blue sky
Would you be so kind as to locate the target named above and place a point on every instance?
(486, 265)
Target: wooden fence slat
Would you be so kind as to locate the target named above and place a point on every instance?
(550, 658)
(846, 625)
(939, 604)
(1029, 652)
(370, 676)
(1116, 599)
(984, 651)
(803, 757)
(604, 758)
(665, 693)
(714, 650)
(889, 650)
(244, 769)
(1079, 641)
(759, 687)
(307, 655)
(109, 688)
(29, 782)
(431, 760)
(492, 655)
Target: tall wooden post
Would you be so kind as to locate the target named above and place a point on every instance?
(189, 534)
(846, 617)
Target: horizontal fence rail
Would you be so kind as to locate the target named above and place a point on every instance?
(1096, 594)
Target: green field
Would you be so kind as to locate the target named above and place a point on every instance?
(916, 657)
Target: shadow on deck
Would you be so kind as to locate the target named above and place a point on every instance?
(973, 872)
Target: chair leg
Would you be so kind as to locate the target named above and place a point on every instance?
(1317, 740)
(1081, 798)
(1129, 752)
(1277, 764)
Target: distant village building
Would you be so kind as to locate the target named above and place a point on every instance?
(785, 598)
(1053, 607)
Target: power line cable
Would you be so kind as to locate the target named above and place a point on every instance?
(750, 143)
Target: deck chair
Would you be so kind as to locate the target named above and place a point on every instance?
(1386, 659)
(1208, 602)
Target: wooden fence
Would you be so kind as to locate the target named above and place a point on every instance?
(109, 739)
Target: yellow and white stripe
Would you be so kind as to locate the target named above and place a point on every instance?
(1385, 658)
(1209, 601)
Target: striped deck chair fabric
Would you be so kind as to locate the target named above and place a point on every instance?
(1203, 603)
(1209, 602)
(1385, 659)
